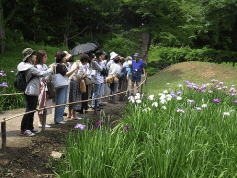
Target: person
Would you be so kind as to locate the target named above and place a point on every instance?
(74, 87)
(104, 87)
(98, 66)
(125, 79)
(112, 56)
(137, 67)
(44, 101)
(31, 93)
(116, 71)
(61, 93)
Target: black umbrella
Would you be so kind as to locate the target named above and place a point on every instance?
(83, 48)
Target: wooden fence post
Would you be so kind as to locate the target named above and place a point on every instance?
(4, 134)
(96, 107)
(141, 90)
(44, 120)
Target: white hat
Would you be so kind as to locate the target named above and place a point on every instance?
(67, 55)
(113, 55)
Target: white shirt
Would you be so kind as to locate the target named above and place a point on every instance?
(115, 70)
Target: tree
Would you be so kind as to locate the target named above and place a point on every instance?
(2, 28)
(215, 21)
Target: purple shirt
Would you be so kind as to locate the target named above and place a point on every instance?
(138, 65)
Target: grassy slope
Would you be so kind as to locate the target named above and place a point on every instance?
(195, 72)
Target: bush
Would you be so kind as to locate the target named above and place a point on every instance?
(176, 55)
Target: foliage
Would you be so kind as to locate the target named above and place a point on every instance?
(152, 69)
(160, 136)
(215, 22)
(175, 55)
(125, 44)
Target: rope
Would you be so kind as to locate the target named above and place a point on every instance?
(71, 103)
(11, 94)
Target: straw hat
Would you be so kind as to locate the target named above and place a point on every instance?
(26, 53)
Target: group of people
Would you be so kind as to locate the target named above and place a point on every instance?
(92, 69)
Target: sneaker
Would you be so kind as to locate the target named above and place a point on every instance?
(46, 125)
(76, 118)
(27, 133)
(61, 122)
(35, 130)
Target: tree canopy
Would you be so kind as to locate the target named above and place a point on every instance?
(170, 22)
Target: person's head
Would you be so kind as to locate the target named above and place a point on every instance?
(41, 57)
(113, 55)
(136, 56)
(99, 54)
(128, 58)
(60, 57)
(116, 60)
(84, 59)
(29, 55)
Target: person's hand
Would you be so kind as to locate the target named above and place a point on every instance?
(53, 66)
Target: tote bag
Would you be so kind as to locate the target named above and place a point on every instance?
(82, 86)
(59, 81)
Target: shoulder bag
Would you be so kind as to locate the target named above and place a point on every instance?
(59, 81)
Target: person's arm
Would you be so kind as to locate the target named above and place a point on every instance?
(144, 71)
(72, 70)
(96, 66)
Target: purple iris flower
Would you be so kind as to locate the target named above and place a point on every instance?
(198, 109)
(216, 100)
(199, 90)
(173, 95)
(180, 110)
(126, 128)
(100, 122)
(80, 126)
(179, 93)
(4, 84)
(235, 101)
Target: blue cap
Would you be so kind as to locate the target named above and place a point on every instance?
(136, 55)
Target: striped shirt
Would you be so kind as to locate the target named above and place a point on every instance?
(98, 77)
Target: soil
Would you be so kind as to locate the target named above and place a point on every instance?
(31, 156)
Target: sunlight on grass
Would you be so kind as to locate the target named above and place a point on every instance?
(195, 72)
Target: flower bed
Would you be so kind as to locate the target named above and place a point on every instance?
(189, 132)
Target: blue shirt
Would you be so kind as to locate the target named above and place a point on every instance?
(128, 70)
(138, 65)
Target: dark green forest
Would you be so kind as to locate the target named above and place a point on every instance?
(173, 23)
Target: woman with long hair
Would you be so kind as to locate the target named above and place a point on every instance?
(61, 93)
(44, 101)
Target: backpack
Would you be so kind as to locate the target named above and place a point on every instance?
(20, 84)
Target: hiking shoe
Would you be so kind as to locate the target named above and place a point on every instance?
(26, 133)
(35, 130)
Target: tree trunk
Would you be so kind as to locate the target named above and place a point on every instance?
(13, 7)
(66, 40)
(2, 33)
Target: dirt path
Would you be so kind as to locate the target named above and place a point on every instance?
(13, 126)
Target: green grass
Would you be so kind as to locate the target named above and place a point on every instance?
(196, 72)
